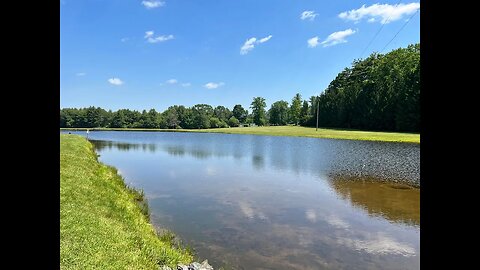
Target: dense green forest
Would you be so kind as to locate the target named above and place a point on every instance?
(381, 92)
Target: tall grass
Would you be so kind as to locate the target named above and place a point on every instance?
(104, 224)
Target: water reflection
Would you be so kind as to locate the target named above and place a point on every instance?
(387, 161)
(101, 145)
(253, 202)
(395, 202)
(258, 162)
(175, 150)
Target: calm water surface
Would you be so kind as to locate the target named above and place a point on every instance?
(260, 202)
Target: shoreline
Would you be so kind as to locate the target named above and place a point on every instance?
(288, 131)
(101, 215)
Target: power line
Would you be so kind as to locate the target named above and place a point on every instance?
(376, 34)
(401, 28)
(371, 40)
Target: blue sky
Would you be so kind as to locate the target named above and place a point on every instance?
(153, 54)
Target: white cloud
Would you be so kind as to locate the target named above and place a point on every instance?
(151, 39)
(115, 81)
(186, 84)
(308, 14)
(212, 85)
(313, 42)
(160, 39)
(210, 171)
(153, 4)
(250, 212)
(265, 39)
(386, 12)
(148, 34)
(336, 222)
(378, 244)
(311, 215)
(250, 44)
(247, 210)
(124, 39)
(81, 74)
(172, 81)
(337, 37)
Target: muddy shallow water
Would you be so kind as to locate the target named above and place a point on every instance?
(261, 202)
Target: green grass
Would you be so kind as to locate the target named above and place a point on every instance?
(104, 223)
(298, 131)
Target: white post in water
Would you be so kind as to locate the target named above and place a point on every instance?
(87, 133)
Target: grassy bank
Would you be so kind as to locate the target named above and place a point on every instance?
(102, 222)
(299, 132)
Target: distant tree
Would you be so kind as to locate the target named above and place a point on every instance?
(118, 120)
(214, 122)
(313, 105)
(150, 119)
(162, 122)
(267, 117)
(106, 117)
(312, 112)
(79, 118)
(233, 122)
(134, 119)
(181, 114)
(249, 119)
(295, 109)
(93, 117)
(188, 119)
(258, 110)
(279, 113)
(217, 123)
(201, 115)
(305, 113)
(63, 119)
(142, 122)
(222, 113)
(202, 121)
(171, 117)
(203, 108)
(380, 92)
(67, 118)
(240, 113)
(223, 124)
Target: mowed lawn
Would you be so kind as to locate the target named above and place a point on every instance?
(321, 133)
(101, 224)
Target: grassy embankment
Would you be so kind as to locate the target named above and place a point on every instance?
(103, 223)
(298, 132)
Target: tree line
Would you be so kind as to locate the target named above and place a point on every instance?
(381, 92)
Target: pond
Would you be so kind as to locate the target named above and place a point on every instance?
(265, 202)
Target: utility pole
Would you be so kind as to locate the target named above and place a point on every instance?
(318, 100)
